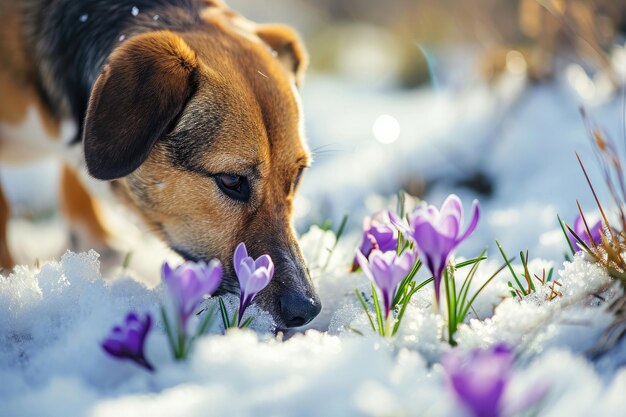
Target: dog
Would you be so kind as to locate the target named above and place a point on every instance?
(188, 112)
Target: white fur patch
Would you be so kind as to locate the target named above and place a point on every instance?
(28, 140)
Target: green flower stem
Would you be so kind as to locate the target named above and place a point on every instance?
(389, 326)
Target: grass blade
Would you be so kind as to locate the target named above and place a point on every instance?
(235, 320)
(569, 243)
(405, 303)
(208, 317)
(342, 228)
(469, 262)
(379, 314)
(449, 296)
(529, 281)
(482, 287)
(401, 203)
(508, 263)
(168, 331)
(127, 258)
(468, 280)
(246, 322)
(224, 313)
(579, 240)
(369, 317)
(406, 281)
(352, 329)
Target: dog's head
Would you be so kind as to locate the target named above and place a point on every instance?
(201, 132)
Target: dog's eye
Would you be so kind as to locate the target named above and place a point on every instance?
(232, 182)
(298, 176)
(234, 186)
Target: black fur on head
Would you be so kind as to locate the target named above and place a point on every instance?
(71, 41)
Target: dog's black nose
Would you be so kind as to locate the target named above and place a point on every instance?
(297, 309)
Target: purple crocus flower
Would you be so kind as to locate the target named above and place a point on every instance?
(253, 275)
(189, 283)
(127, 341)
(580, 229)
(437, 233)
(387, 270)
(479, 379)
(378, 233)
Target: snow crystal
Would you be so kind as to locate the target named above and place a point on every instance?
(83, 18)
(134, 11)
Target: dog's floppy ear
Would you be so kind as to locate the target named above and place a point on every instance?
(138, 95)
(288, 47)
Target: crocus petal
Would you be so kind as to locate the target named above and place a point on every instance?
(263, 261)
(386, 270)
(127, 341)
(213, 277)
(398, 223)
(579, 225)
(448, 226)
(166, 272)
(453, 206)
(482, 399)
(189, 283)
(258, 281)
(245, 272)
(131, 318)
(383, 233)
(253, 275)
(432, 244)
(368, 243)
(473, 222)
(405, 263)
(362, 260)
(270, 268)
(435, 250)
(596, 232)
(380, 270)
(240, 254)
(479, 379)
(378, 233)
(113, 347)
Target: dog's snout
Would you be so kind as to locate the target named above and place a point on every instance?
(297, 309)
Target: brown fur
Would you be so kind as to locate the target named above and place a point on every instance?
(260, 138)
(5, 257)
(154, 72)
(81, 209)
(170, 112)
(17, 75)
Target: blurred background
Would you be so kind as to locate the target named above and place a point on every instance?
(477, 97)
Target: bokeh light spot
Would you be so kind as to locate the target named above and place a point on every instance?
(386, 129)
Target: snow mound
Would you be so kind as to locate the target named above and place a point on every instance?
(53, 319)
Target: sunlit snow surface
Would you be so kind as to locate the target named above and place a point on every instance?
(53, 318)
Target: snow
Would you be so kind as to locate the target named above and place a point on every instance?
(53, 316)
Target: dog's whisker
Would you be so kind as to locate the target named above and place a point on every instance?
(259, 71)
(322, 147)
